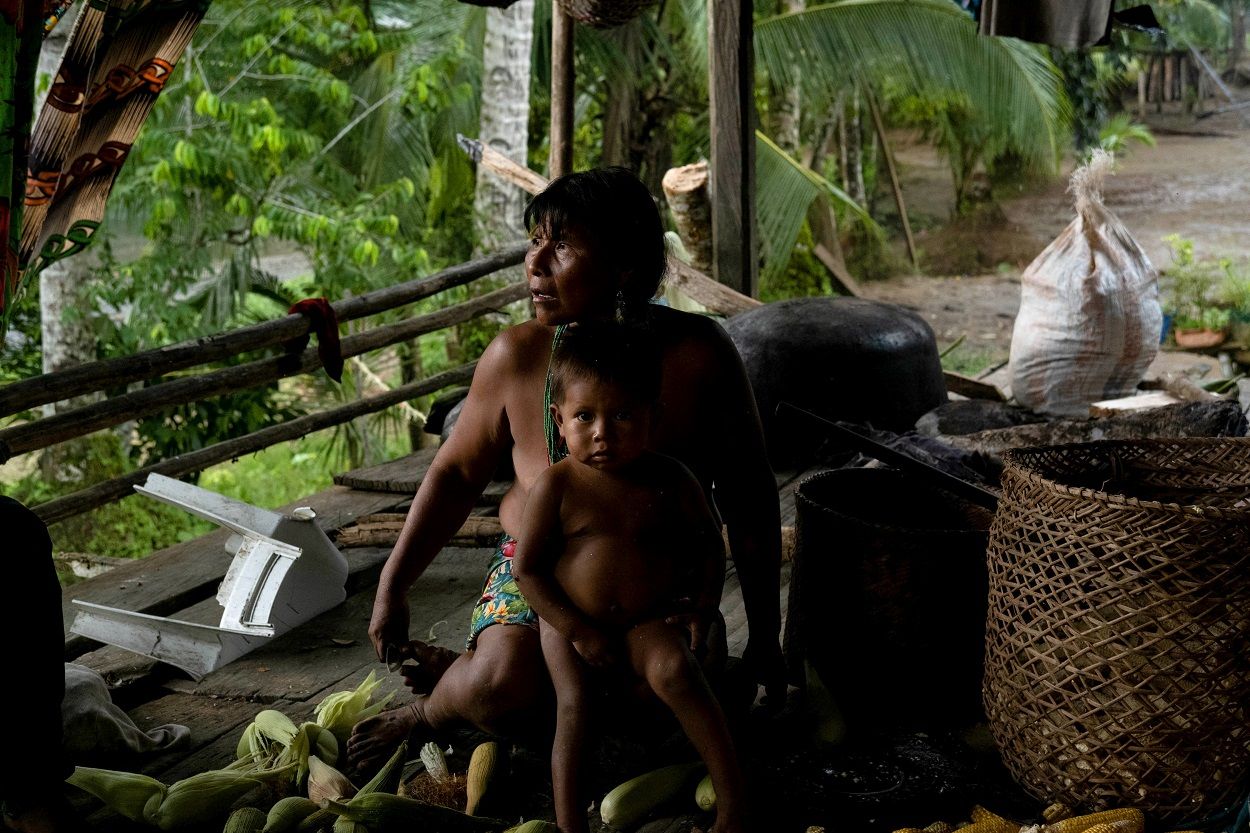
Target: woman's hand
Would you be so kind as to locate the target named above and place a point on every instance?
(389, 624)
(694, 619)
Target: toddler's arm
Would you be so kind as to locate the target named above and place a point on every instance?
(539, 544)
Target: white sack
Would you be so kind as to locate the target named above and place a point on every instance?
(1089, 320)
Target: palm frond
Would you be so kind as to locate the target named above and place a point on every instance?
(785, 189)
(929, 47)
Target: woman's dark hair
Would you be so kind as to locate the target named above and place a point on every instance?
(608, 352)
(615, 210)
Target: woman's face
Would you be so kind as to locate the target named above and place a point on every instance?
(567, 280)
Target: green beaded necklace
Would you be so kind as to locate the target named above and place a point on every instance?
(556, 450)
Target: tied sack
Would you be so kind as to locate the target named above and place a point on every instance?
(1089, 318)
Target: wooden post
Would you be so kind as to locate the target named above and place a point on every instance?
(1169, 73)
(562, 92)
(1142, 74)
(732, 114)
(894, 183)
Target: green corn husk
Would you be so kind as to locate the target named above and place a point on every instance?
(135, 796)
(245, 820)
(286, 815)
(388, 777)
(275, 725)
(208, 794)
(143, 799)
(342, 710)
(311, 739)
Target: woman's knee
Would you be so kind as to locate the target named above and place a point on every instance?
(509, 677)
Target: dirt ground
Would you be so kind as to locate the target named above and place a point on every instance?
(1195, 183)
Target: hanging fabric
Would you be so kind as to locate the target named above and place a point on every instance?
(119, 57)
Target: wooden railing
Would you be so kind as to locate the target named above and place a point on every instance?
(97, 376)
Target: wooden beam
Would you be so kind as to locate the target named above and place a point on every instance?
(119, 487)
(94, 376)
(562, 92)
(731, 85)
(30, 436)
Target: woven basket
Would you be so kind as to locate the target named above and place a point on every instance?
(1117, 667)
(604, 14)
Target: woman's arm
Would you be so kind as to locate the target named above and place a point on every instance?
(746, 494)
(459, 473)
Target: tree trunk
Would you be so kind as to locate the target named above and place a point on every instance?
(621, 112)
(787, 102)
(412, 370)
(686, 190)
(504, 122)
(1237, 22)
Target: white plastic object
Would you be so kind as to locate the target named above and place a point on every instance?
(284, 572)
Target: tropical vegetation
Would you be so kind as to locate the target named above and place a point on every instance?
(325, 133)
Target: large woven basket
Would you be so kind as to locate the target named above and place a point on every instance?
(604, 14)
(1117, 667)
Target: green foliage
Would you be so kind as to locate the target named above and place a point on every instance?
(1120, 130)
(131, 528)
(1201, 292)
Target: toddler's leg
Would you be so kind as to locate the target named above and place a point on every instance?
(568, 675)
(659, 654)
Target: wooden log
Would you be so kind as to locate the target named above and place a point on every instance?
(563, 91)
(731, 108)
(382, 530)
(879, 125)
(1210, 72)
(836, 266)
(686, 190)
(501, 166)
(1142, 75)
(714, 295)
(30, 436)
(93, 376)
(119, 487)
(1169, 76)
(971, 388)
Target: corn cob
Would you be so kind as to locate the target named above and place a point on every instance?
(201, 796)
(993, 823)
(286, 815)
(938, 827)
(245, 820)
(134, 796)
(481, 768)
(1122, 826)
(1080, 824)
(324, 781)
(1056, 812)
(275, 725)
(435, 761)
(705, 794)
(383, 811)
(387, 778)
(533, 826)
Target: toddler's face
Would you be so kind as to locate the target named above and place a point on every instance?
(604, 426)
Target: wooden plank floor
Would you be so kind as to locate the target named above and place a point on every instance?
(330, 653)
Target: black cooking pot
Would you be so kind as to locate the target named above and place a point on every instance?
(842, 358)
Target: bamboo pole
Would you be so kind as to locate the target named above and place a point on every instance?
(31, 436)
(889, 164)
(94, 376)
(87, 499)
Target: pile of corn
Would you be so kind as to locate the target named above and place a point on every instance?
(1057, 818)
(285, 777)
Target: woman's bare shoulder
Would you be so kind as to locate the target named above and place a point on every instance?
(516, 348)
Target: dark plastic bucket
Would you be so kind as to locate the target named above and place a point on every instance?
(888, 598)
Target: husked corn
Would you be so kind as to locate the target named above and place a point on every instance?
(1081, 824)
(1056, 812)
(993, 823)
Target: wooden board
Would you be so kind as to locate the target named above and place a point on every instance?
(208, 718)
(179, 576)
(403, 475)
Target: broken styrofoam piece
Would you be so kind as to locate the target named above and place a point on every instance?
(284, 572)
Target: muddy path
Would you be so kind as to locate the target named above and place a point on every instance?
(1194, 183)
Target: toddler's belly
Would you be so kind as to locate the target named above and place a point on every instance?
(619, 588)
